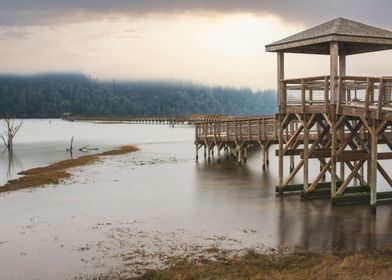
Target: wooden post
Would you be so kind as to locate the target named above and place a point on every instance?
(334, 54)
(197, 152)
(306, 157)
(263, 156)
(373, 164)
(282, 110)
(239, 159)
(342, 164)
(267, 153)
(333, 159)
(292, 162)
(342, 63)
(245, 154)
(280, 70)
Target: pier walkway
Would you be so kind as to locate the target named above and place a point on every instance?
(339, 121)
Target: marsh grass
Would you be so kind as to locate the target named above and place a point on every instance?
(56, 172)
(297, 264)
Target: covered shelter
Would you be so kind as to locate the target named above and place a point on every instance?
(351, 114)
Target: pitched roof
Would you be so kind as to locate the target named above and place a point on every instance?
(354, 37)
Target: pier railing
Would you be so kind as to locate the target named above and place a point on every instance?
(249, 129)
(359, 96)
(171, 119)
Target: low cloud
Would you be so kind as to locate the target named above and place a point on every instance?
(309, 12)
(14, 35)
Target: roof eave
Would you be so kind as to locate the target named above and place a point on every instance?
(379, 43)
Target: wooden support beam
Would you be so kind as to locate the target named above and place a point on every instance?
(292, 139)
(357, 175)
(320, 176)
(350, 177)
(294, 172)
(384, 174)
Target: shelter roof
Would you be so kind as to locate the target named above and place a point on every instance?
(353, 37)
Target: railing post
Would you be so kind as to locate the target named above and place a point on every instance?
(303, 95)
(367, 96)
(380, 99)
(339, 96)
(326, 93)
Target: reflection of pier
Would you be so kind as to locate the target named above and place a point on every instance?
(337, 121)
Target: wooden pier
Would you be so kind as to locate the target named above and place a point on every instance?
(342, 122)
(180, 119)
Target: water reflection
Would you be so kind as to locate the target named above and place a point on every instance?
(11, 163)
(291, 221)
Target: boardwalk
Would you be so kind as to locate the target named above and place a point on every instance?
(181, 119)
(342, 122)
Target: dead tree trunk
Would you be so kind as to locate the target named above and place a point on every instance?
(9, 133)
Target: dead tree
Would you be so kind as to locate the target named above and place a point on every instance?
(9, 133)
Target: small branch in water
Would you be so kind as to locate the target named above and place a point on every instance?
(86, 149)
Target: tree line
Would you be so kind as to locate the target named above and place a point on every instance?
(51, 95)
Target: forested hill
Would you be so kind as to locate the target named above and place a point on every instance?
(49, 96)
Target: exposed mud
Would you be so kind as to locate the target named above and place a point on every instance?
(55, 173)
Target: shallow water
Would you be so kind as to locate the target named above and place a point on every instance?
(134, 211)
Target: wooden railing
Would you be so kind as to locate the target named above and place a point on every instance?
(249, 129)
(154, 119)
(369, 96)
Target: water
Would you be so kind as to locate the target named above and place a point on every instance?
(133, 211)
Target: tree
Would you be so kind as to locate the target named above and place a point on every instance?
(9, 133)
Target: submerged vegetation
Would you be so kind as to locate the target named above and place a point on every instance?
(280, 264)
(54, 173)
(49, 96)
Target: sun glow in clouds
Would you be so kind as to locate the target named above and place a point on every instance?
(206, 48)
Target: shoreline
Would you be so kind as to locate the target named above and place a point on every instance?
(279, 264)
(58, 171)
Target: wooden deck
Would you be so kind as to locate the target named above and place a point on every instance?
(309, 126)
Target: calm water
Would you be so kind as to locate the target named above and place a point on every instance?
(132, 211)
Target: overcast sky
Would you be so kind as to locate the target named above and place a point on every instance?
(217, 42)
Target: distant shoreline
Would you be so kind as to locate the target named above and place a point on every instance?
(56, 172)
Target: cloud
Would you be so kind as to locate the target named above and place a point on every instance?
(309, 12)
(14, 35)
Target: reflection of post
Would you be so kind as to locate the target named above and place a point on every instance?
(10, 165)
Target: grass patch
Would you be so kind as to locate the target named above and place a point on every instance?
(297, 264)
(56, 172)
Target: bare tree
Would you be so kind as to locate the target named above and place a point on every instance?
(9, 133)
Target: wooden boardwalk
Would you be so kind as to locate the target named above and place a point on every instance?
(180, 119)
(341, 122)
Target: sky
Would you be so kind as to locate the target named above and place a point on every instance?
(215, 42)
